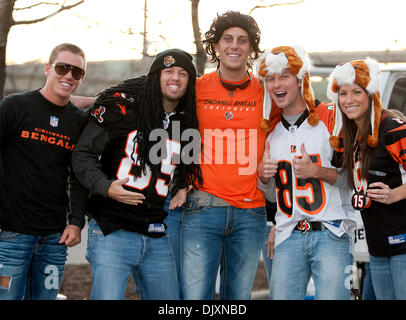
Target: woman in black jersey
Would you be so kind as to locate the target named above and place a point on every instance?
(370, 144)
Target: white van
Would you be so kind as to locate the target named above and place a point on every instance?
(392, 84)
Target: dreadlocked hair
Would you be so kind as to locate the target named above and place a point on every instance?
(127, 103)
(141, 98)
(153, 116)
(187, 111)
(149, 117)
(121, 99)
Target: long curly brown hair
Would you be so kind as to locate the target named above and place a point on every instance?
(228, 20)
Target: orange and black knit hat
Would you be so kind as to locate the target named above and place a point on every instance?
(365, 73)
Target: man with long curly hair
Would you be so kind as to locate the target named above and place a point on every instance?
(118, 159)
(225, 218)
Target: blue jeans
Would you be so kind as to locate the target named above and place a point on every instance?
(173, 222)
(33, 266)
(389, 277)
(368, 292)
(320, 254)
(122, 253)
(267, 260)
(229, 237)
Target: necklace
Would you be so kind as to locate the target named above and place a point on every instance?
(359, 198)
(166, 122)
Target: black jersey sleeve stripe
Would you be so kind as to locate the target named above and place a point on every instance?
(398, 150)
(395, 134)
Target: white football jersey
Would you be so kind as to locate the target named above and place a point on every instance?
(311, 199)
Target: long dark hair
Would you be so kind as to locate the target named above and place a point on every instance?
(349, 130)
(142, 101)
(152, 116)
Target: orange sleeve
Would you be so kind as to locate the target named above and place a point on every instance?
(326, 114)
(396, 144)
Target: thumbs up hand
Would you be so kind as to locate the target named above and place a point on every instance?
(267, 167)
(303, 167)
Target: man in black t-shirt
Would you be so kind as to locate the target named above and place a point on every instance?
(38, 132)
(126, 157)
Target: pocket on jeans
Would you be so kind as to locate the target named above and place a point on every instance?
(260, 212)
(94, 228)
(8, 235)
(333, 236)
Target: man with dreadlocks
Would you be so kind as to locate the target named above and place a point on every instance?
(128, 182)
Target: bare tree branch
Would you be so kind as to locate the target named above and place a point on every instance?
(62, 8)
(273, 5)
(36, 5)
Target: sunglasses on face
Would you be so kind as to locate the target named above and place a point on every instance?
(62, 68)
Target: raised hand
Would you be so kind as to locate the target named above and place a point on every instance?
(303, 167)
(268, 167)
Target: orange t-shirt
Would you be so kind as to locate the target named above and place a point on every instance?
(232, 140)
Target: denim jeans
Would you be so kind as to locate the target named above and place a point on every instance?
(267, 260)
(122, 253)
(389, 277)
(320, 254)
(33, 265)
(173, 222)
(228, 237)
(368, 292)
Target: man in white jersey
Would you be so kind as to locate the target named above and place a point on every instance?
(314, 218)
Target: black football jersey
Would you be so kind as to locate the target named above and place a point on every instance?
(116, 115)
(385, 225)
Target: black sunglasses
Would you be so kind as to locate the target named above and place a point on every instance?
(233, 86)
(62, 68)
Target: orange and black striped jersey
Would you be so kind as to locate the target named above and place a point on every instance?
(385, 225)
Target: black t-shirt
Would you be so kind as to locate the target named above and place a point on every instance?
(37, 138)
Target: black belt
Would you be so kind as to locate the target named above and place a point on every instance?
(305, 225)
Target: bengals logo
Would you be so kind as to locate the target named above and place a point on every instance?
(292, 149)
(98, 112)
(168, 61)
(304, 226)
(228, 115)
